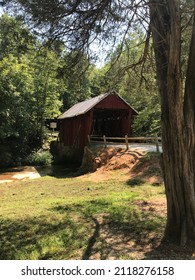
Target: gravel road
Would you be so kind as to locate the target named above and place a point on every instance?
(137, 146)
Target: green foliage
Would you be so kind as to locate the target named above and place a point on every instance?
(74, 71)
(15, 38)
(39, 158)
(147, 122)
(29, 89)
(16, 87)
(47, 89)
(5, 158)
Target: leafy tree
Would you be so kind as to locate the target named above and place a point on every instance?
(29, 89)
(97, 78)
(74, 71)
(47, 89)
(16, 88)
(15, 38)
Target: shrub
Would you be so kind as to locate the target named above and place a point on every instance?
(5, 159)
(39, 158)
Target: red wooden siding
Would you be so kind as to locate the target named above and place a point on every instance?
(112, 102)
(73, 131)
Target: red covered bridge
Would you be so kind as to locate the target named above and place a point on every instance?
(107, 114)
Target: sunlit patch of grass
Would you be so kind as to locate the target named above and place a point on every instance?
(53, 218)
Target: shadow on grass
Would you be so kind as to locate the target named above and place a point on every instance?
(92, 230)
(125, 232)
(34, 238)
(92, 240)
(58, 171)
(50, 237)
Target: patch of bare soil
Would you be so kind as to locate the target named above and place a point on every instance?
(105, 161)
(113, 242)
(156, 204)
(118, 158)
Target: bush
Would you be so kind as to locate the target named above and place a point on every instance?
(5, 159)
(39, 158)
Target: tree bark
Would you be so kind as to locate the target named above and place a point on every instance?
(178, 118)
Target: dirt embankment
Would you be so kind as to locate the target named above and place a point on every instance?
(142, 167)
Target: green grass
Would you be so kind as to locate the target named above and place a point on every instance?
(59, 218)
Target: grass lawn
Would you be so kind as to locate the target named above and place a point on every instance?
(79, 218)
(117, 212)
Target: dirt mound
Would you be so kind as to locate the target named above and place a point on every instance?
(148, 169)
(118, 158)
(140, 167)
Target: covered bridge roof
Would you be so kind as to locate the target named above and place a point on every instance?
(83, 107)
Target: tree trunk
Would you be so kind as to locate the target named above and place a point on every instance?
(178, 119)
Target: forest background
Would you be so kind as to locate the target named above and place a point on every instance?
(39, 79)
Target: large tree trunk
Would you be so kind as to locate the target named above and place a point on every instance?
(178, 118)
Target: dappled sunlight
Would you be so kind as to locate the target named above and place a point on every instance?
(79, 231)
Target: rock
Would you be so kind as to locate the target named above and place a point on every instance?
(88, 162)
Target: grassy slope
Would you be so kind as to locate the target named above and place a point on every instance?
(70, 218)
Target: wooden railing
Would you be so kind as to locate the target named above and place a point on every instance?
(124, 140)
